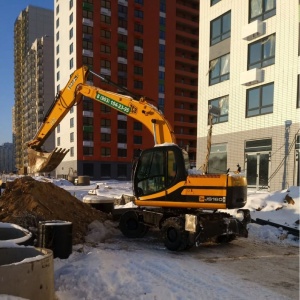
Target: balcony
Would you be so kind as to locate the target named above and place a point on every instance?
(88, 144)
(253, 30)
(105, 130)
(104, 71)
(87, 22)
(88, 53)
(87, 114)
(251, 77)
(122, 60)
(122, 30)
(105, 11)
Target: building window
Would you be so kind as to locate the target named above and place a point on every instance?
(138, 56)
(58, 141)
(138, 42)
(71, 18)
(71, 122)
(122, 171)
(298, 92)
(122, 81)
(105, 3)
(105, 109)
(105, 151)
(57, 76)
(260, 100)
(138, 14)
(219, 69)
(141, 2)
(105, 64)
(70, 4)
(137, 139)
(72, 137)
(138, 84)
(57, 49)
(217, 162)
(106, 170)
(71, 109)
(57, 62)
(105, 49)
(138, 70)
(71, 48)
(105, 137)
(220, 28)
(122, 152)
(262, 9)
(86, 60)
(138, 28)
(57, 22)
(262, 53)
(87, 14)
(137, 126)
(105, 123)
(213, 2)
(87, 45)
(87, 29)
(88, 151)
(223, 105)
(71, 33)
(57, 35)
(71, 63)
(105, 19)
(72, 151)
(105, 33)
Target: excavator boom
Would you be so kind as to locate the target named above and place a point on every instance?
(144, 112)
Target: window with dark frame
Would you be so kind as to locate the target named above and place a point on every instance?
(260, 100)
(105, 170)
(88, 151)
(261, 9)
(220, 28)
(213, 2)
(105, 151)
(219, 69)
(262, 53)
(223, 104)
(122, 170)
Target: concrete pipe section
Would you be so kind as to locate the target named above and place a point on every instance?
(12, 233)
(27, 272)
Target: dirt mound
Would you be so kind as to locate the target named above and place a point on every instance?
(27, 201)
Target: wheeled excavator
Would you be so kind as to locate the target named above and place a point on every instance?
(189, 209)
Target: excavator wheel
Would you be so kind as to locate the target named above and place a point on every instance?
(174, 235)
(131, 226)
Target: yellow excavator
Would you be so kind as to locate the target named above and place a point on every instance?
(188, 208)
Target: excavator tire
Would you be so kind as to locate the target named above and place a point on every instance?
(131, 226)
(174, 235)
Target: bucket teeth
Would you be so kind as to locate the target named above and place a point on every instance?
(45, 162)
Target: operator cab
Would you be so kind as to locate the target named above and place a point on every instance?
(159, 168)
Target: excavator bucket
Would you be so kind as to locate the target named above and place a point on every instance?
(45, 162)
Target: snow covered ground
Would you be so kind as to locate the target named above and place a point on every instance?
(109, 266)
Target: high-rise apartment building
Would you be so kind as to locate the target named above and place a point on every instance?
(7, 161)
(33, 74)
(148, 47)
(249, 68)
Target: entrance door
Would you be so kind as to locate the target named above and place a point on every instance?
(257, 166)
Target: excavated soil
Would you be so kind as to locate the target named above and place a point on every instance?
(26, 202)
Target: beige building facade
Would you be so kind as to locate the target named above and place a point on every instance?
(249, 68)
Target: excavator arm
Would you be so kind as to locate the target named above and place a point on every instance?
(141, 110)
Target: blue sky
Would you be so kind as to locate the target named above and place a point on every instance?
(9, 12)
